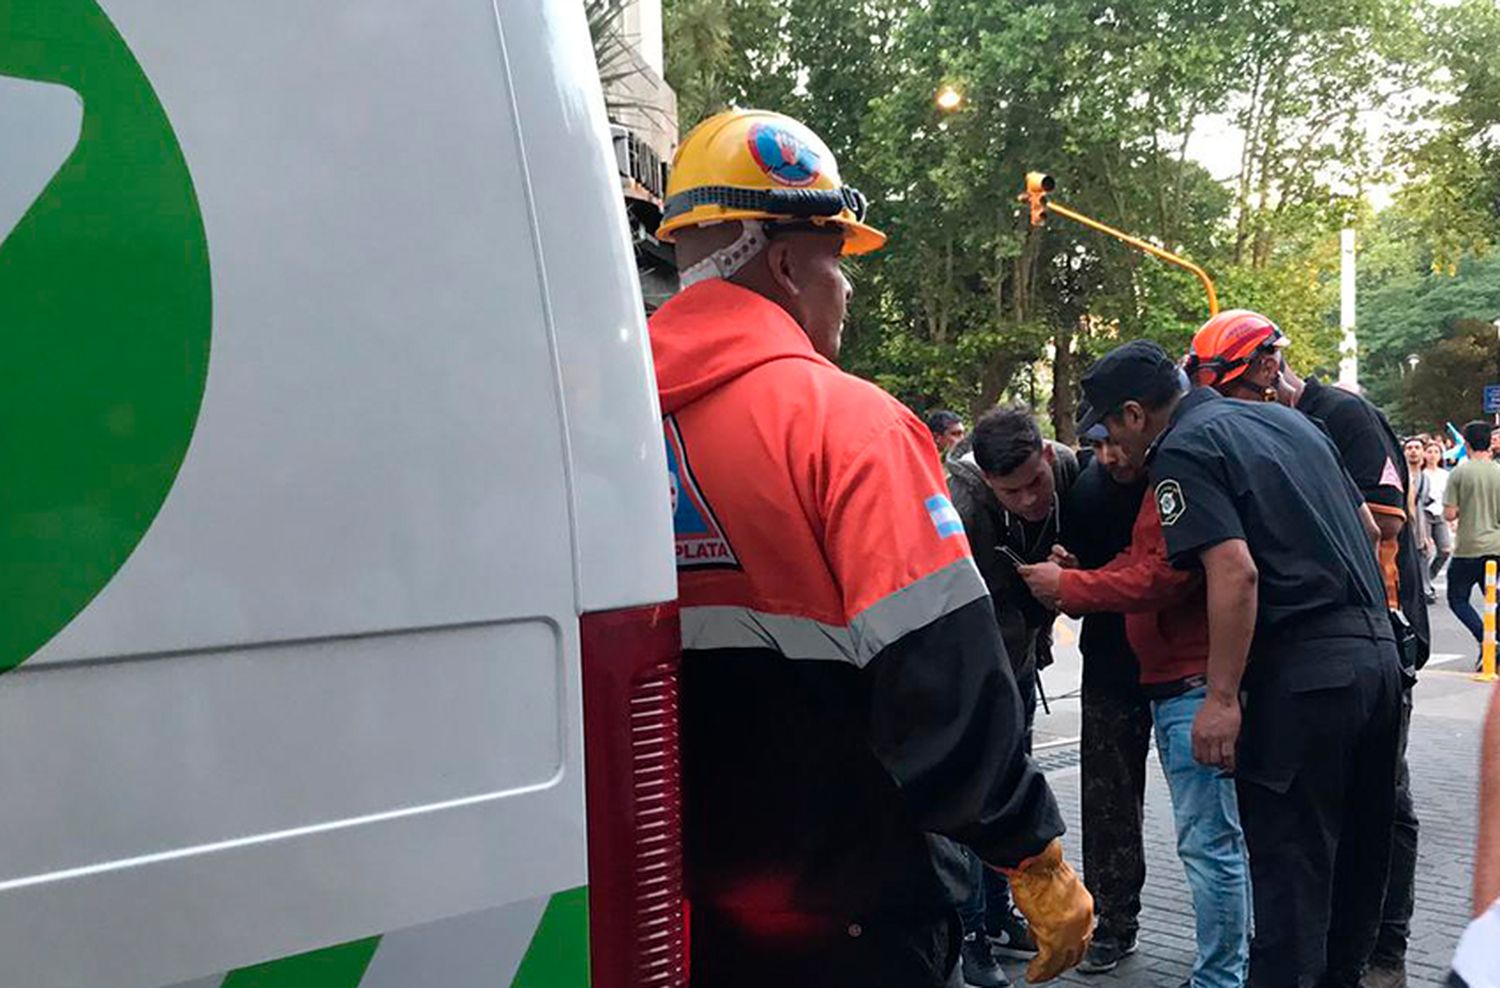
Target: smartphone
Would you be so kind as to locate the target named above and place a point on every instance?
(1012, 555)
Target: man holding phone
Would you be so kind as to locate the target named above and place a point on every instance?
(1007, 488)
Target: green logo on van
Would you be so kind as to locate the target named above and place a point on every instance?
(104, 312)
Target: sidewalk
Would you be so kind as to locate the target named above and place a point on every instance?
(1442, 754)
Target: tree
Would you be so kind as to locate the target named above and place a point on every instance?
(1447, 384)
(967, 303)
(1453, 149)
(715, 48)
(1414, 311)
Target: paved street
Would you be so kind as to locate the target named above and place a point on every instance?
(1445, 732)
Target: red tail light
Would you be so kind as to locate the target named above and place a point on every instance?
(637, 925)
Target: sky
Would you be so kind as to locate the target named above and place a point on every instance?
(1216, 144)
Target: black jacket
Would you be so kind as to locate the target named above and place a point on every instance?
(1098, 515)
(1025, 623)
(1371, 453)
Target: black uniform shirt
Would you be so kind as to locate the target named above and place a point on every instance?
(1371, 453)
(1097, 517)
(1228, 469)
(1365, 442)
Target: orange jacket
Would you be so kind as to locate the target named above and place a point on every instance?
(844, 685)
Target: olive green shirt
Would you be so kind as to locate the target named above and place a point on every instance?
(1474, 489)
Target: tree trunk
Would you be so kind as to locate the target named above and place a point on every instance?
(1176, 215)
(1158, 179)
(1024, 275)
(996, 374)
(1250, 124)
(946, 299)
(1064, 386)
(1269, 151)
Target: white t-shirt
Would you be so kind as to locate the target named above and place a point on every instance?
(1437, 483)
(1478, 957)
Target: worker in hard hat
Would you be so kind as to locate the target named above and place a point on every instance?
(1242, 354)
(844, 687)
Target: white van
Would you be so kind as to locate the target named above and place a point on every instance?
(334, 524)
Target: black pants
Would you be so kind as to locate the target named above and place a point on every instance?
(1317, 781)
(1115, 744)
(1400, 887)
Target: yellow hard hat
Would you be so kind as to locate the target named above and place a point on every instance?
(755, 165)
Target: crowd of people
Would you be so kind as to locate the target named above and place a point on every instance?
(861, 658)
(1052, 537)
(1464, 528)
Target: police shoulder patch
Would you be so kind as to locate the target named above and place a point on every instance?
(1170, 503)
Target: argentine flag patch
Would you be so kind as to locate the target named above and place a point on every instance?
(944, 516)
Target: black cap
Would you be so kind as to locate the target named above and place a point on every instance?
(1089, 427)
(1131, 372)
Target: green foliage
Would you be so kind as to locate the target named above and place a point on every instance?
(1412, 307)
(1454, 148)
(1447, 385)
(967, 304)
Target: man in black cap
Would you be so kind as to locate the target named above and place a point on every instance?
(1304, 685)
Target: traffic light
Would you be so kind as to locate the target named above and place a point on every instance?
(1037, 187)
(1040, 185)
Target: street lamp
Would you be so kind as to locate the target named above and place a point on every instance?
(949, 99)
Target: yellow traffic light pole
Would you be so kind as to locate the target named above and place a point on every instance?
(1040, 186)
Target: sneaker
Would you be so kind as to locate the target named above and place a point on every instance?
(980, 968)
(1105, 954)
(1384, 977)
(1011, 937)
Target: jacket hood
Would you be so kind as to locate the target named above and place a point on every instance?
(964, 470)
(714, 332)
(965, 467)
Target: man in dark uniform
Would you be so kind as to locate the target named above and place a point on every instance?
(1303, 679)
(1239, 354)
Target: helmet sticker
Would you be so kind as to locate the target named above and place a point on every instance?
(1170, 503)
(783, 155)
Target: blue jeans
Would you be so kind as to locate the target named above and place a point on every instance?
(1210, 844)
(1463, 576)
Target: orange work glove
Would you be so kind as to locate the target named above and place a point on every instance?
(1058, 908)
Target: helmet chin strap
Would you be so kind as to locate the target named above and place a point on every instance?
(724, 262)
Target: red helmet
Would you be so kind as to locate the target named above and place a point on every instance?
(1228, 343)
